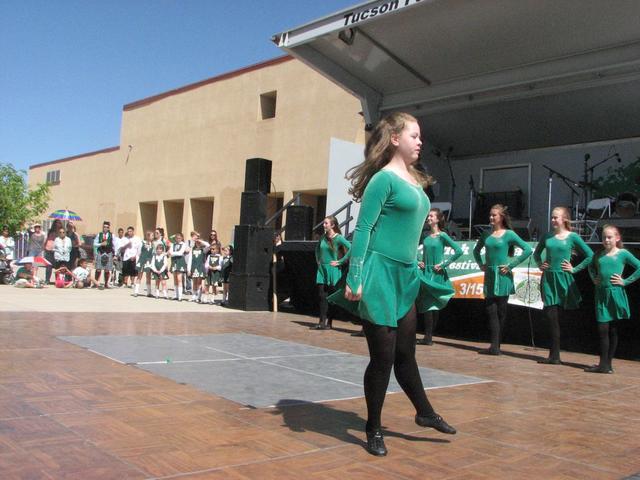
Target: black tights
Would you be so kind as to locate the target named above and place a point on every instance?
(552, 314)
(608, 332)
(430, 323)
(326, 310)
(497, 313)
(392, 347)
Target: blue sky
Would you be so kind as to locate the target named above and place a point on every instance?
(67, 67)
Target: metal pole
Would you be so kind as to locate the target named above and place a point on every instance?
(549, 202)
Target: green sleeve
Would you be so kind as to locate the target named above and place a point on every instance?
(588, 253)
(343, 242)
(457, 251)
(632, 261)
(478, 248)
(374, 198)
(526, 249)
(318, 251)
(537, 253)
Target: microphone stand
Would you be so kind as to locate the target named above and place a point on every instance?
(453, 181)
(471, 195)
(569, 182)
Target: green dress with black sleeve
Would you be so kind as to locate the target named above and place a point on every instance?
(559, 287)
(383, 253)
(433, 254)
(327, 252)
(611, 300)
(496, 255)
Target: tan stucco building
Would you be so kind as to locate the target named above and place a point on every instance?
(181, 159)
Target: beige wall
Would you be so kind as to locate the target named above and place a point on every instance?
(193, 145)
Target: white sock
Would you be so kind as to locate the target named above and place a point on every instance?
(179, 292)
(157, 292)
(165, 293)
(136, 289)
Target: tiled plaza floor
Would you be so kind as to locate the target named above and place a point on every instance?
(69, 413)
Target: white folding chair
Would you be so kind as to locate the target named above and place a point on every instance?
(587, 226)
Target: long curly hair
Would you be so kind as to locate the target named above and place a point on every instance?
(566, 217)
(379, 151)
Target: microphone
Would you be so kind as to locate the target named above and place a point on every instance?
(587, 157)
(618, 158)
(471, 181)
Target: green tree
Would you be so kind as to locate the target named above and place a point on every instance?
(19, 204)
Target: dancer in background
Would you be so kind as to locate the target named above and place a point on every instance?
(177, 252)
(558, 287)
(196, 266)
(213, 266)
(226, 267)
(612, 303)
(331, 252)
(383, 280)
(159, 269)
(435, 269)
(498, 279)
(143, 264)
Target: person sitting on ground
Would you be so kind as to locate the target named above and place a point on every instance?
(82, 276)
(64, 277)
(25, 277)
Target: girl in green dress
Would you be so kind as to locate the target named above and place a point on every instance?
(213, 265)
(612, 303)
(331, 252)
(159, 267)
(498, 279)
(143, 265)
(196, 267)
(383, 279)
(558, 287)
(177, 253)
(435, 269)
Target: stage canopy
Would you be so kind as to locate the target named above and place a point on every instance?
(486, 76)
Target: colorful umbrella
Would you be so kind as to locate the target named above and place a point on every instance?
(37, 261)
(66, 215)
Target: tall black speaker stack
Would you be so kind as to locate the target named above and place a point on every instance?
(253, 242)
(299, 224)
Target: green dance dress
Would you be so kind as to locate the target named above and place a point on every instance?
(496, 255)
(178, 262)
(611, 300)
(433, 254)
(144, 259)
(559, 287)
(327, 253)
(160, 264)
(196, 263)
(214, 261)
(383, 253)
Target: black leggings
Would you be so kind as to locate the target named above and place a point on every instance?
(392, 347)
(552, 315)
(326, 310)
(608, 332)
(430, 323)
(497, 313)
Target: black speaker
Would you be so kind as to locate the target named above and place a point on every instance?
(253, 250)
(299, 222)
(248, 292)
(512, 200)
(257, 175)
(253, 208)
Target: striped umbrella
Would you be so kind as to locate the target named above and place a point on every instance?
(66, 215)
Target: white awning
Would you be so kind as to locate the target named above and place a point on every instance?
(486, 75)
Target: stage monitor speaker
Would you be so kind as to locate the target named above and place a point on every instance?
(253, 208)
(257, 175)
(253, 250)
(249, 292)
(299, 223)
(485, 200)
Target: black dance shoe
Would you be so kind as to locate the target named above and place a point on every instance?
(375, 443)
(435, 421)
(550, 361)
(598, 369)
(424, 341)
(489, 351)
(320, 326)
(358, 334)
